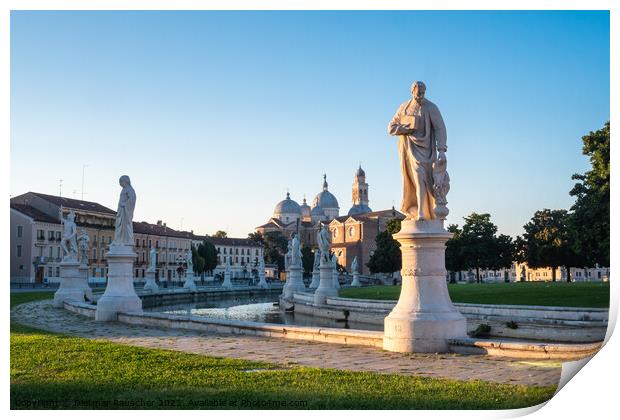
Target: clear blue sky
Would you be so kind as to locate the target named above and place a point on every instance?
(215, 114)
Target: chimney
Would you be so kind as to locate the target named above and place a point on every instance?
(159, 223)
(164, 225)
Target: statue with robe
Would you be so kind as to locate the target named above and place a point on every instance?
(317, 259)
(354, 265)
(422, 147)
(69, 238)
(190, 262)
(84, 245)
(152, 259)
(324, 241)
(123, 229)
(295, 251)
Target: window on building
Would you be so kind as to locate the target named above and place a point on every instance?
(19, 250)
(94, 272)
(256, 251)
(236, 259)
(351, 231)
(94, 254)
(137, 242)
(94, 238)
(242, 251)
(150, 244)
(40, 234)
(58, 252)
(230, 249)
(236, 251)
(51, 254)
(21, 267)
(58, 234)
(20, 231)
(57, 271)
(103, 254)
(599, 274)
(49, 271)
(50, 235)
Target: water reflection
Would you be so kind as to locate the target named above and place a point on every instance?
(256, 309)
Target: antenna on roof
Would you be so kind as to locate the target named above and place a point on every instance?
(60, 187)
(83, 167)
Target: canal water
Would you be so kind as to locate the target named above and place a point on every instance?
(256, 309)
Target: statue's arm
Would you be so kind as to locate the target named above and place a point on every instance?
(441, 137)
(395, 128)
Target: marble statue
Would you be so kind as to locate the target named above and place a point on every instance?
(190, 263)
(84, 245)
(123, 230)
(295, 252)
(354, 265)
(324, 241)
(422, 148)
(335, 271)
(317, 259)
(69, 238)
(152, 259)
(288, 255)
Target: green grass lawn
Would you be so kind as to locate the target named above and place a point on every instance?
(585, 295)
(56, 371)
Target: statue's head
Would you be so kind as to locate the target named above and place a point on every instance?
(418, 89)
(71, 216)
(124, 181)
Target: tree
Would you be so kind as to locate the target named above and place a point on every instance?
(208, 252)
(257, 237)
(520, 253)
(220, 234)
(454, 253)
(478, 242)
(387, 257)
(548, 240)
(197, 261)
(590, 219)
(504, 254)
(276, 245)
(307, 259)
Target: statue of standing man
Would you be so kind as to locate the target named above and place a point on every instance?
(422, 147)
(69, 238)
(123, 230)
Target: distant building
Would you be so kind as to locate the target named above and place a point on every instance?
(36, 230)
(353, 235)
(521, 270)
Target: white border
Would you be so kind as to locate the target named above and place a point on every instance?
(591, 395)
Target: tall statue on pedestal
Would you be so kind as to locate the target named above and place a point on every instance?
(422, 147)
(424, 318)
(152, 260)
(120, 295)
(84, 245)
(123, 228)
(69, 238)
(326, 287)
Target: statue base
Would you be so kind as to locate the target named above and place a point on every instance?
(71, 284)
(88, 292)
(119, 295)
(262, 282)
(316, 279)
(424, 317)
(326, 285)
(227, 284)
(294, 282)
(335, 277)
(150, 285)
(189, 284)
(356, 280)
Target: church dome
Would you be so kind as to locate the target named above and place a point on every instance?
(287, 206)
(317, 211)
(325, 199)
(359, 209)
(305, 209)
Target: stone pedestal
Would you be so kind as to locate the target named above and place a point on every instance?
(189, 282)
(71, 284)
(424, 317)
(227, 284)
(261, 280)
(294, 282)
(88, 292)
(316, 279)
(151, 284)
(356, 280)
(335, 277)
(326, 284)
(119, 295)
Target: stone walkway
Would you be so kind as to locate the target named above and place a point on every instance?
(285, 352)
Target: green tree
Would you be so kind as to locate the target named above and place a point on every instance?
(590, 219)
(387, 257)
(520, 253)
(478, 242)
(197, 261)
(208, 252)
(504, 254)
(548, 240)
(276, 245)
(257, 237)
(220, 234)
(307, 259)
(455, 262)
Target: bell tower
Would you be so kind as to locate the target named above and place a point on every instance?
(360, 188)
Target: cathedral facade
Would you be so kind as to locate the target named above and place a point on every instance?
(353, 234)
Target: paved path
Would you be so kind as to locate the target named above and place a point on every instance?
(43, 315)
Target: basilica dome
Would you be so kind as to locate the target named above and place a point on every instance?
(327, 201)
(305, 209)
(287, 210)
(359, 209)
